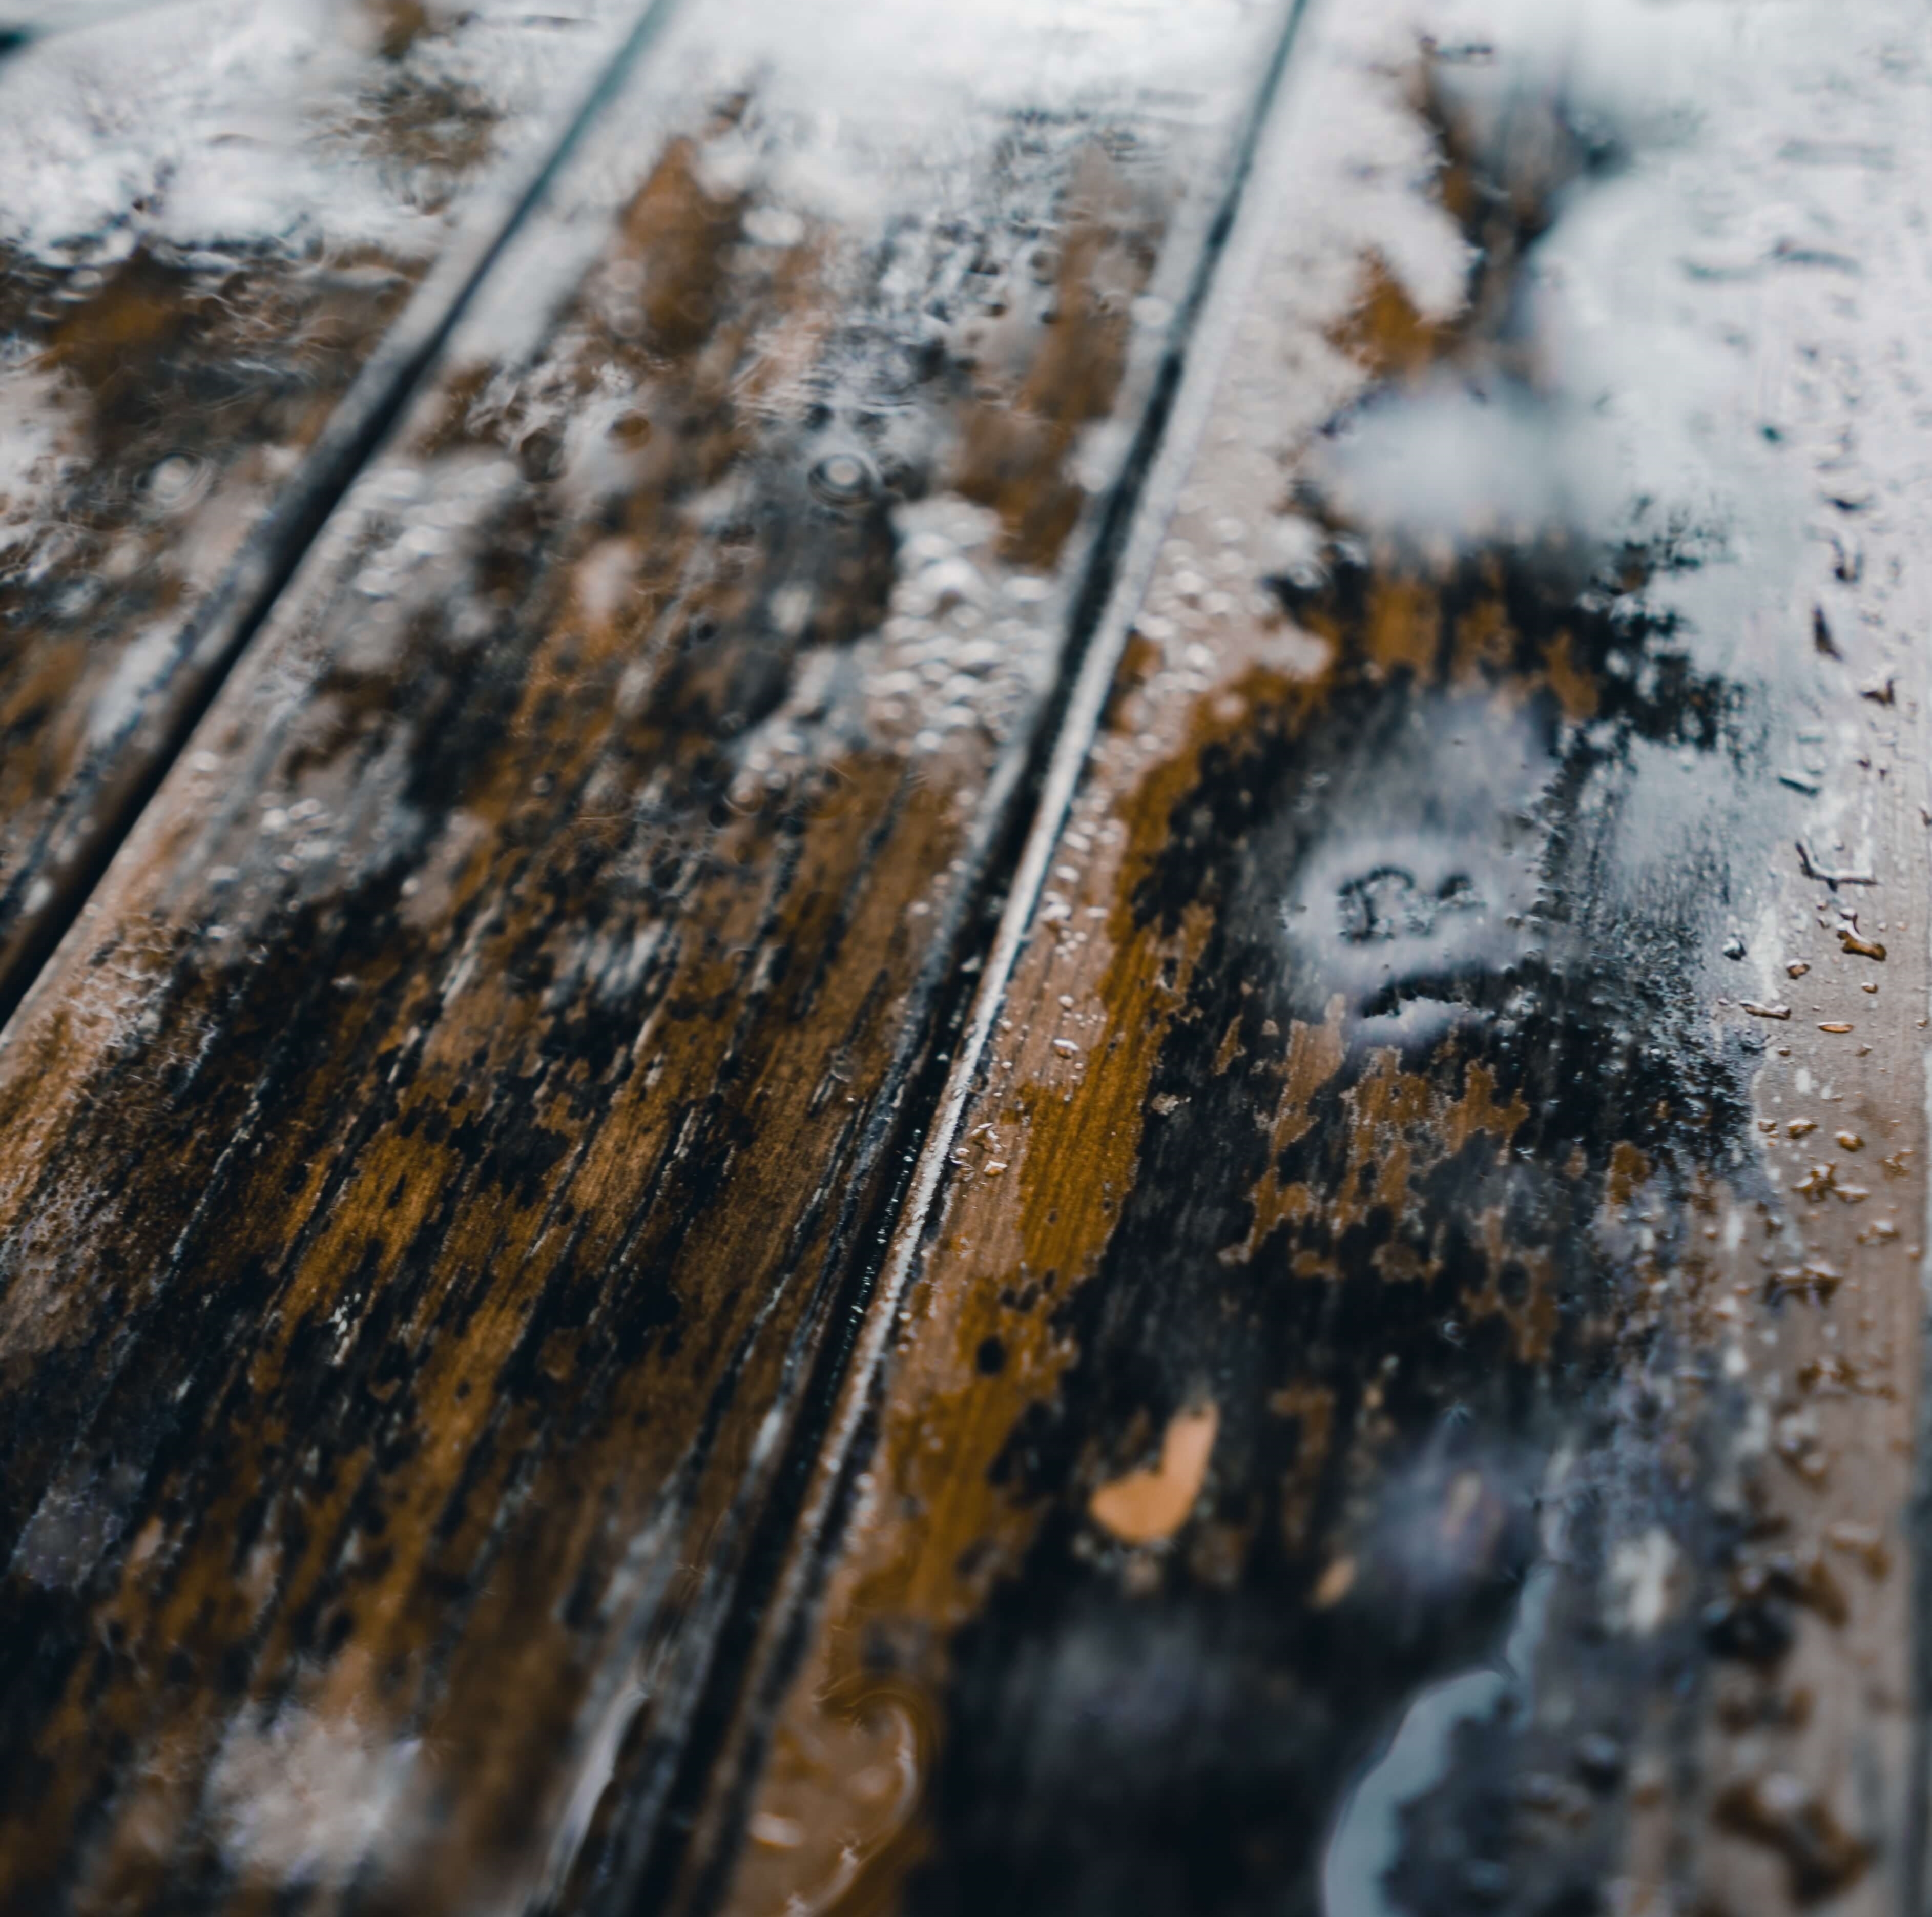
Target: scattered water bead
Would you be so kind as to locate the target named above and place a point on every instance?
(540, 455)
(175, 481)
(843, 479)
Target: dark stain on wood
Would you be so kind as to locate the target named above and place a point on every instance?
(1429, 1247)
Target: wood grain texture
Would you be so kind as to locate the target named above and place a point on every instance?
(1405, 1399)
(435, 1164)
(216, 214)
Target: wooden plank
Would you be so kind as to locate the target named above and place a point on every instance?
(217, 214)
(1403, 1400)
(437, 1166)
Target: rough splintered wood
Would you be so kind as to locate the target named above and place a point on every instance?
(432, 1166)
(215, 213)
(1379, 1071)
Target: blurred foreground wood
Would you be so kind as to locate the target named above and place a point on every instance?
(220, 214)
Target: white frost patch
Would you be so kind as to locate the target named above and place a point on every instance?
(1469, 465)
(1642, 1582)
(74, 1525)
(30, 437)
(142, 666)
(306, 1798)
(230, 122)
(920, 79)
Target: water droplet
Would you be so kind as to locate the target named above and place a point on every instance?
(1600, 1758)
(540, 455)
(176, 481)
(842, 479)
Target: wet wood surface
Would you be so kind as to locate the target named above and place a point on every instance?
(438, 1158)
(1403, 1397)
(1045, 1022)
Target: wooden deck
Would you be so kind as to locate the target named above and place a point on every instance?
(963, 959)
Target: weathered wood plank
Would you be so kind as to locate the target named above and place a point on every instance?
(1404, 1399)
(216, 215)
(434, 1166)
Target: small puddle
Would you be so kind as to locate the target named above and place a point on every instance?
(1365, 1840)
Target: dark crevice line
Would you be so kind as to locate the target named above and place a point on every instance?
(218, 638)
(735, 1696)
